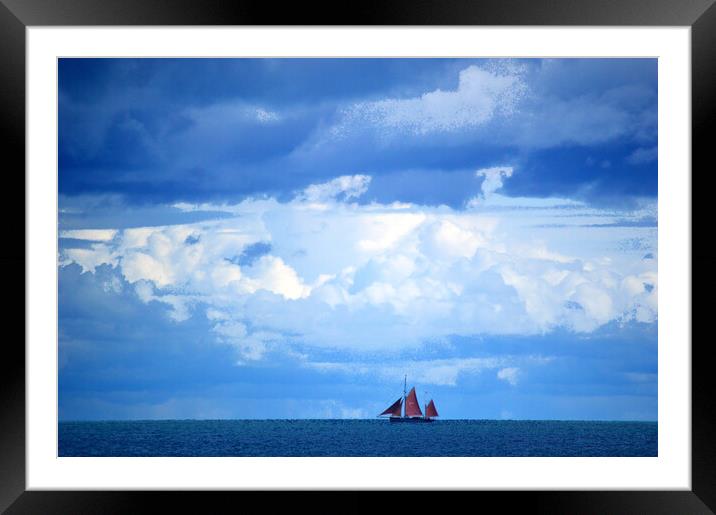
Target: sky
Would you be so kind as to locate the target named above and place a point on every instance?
(289, 238)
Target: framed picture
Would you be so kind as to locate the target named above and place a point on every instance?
(246, 244)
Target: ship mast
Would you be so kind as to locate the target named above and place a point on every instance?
(405, 394)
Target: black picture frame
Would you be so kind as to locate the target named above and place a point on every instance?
(16, 15)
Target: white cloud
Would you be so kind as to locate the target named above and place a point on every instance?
(330, 409)
(223, 114)
(450, 239)
(144, 290)
(350, 186)
(481, 94)
(90, 234)
(139, 266)
(264, 116)
(493, 178)
(180, 304)
(386, 277)
(272, 274)
(89, 259)
(113, 284)
(509, 374)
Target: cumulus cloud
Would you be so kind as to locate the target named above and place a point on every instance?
(375, 277)
(89, 259)
(493, 178)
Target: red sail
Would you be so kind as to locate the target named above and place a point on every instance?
(394, 410)
(430, 411)
(412, 408)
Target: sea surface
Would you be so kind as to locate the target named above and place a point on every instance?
(357, 438)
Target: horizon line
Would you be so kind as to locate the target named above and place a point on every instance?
(348, 419)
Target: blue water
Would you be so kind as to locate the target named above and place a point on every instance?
(357, 438)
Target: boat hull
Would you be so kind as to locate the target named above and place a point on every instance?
(411, 420)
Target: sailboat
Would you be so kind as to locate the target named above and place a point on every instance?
(412, 411)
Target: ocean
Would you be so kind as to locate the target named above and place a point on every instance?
(351, 438)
